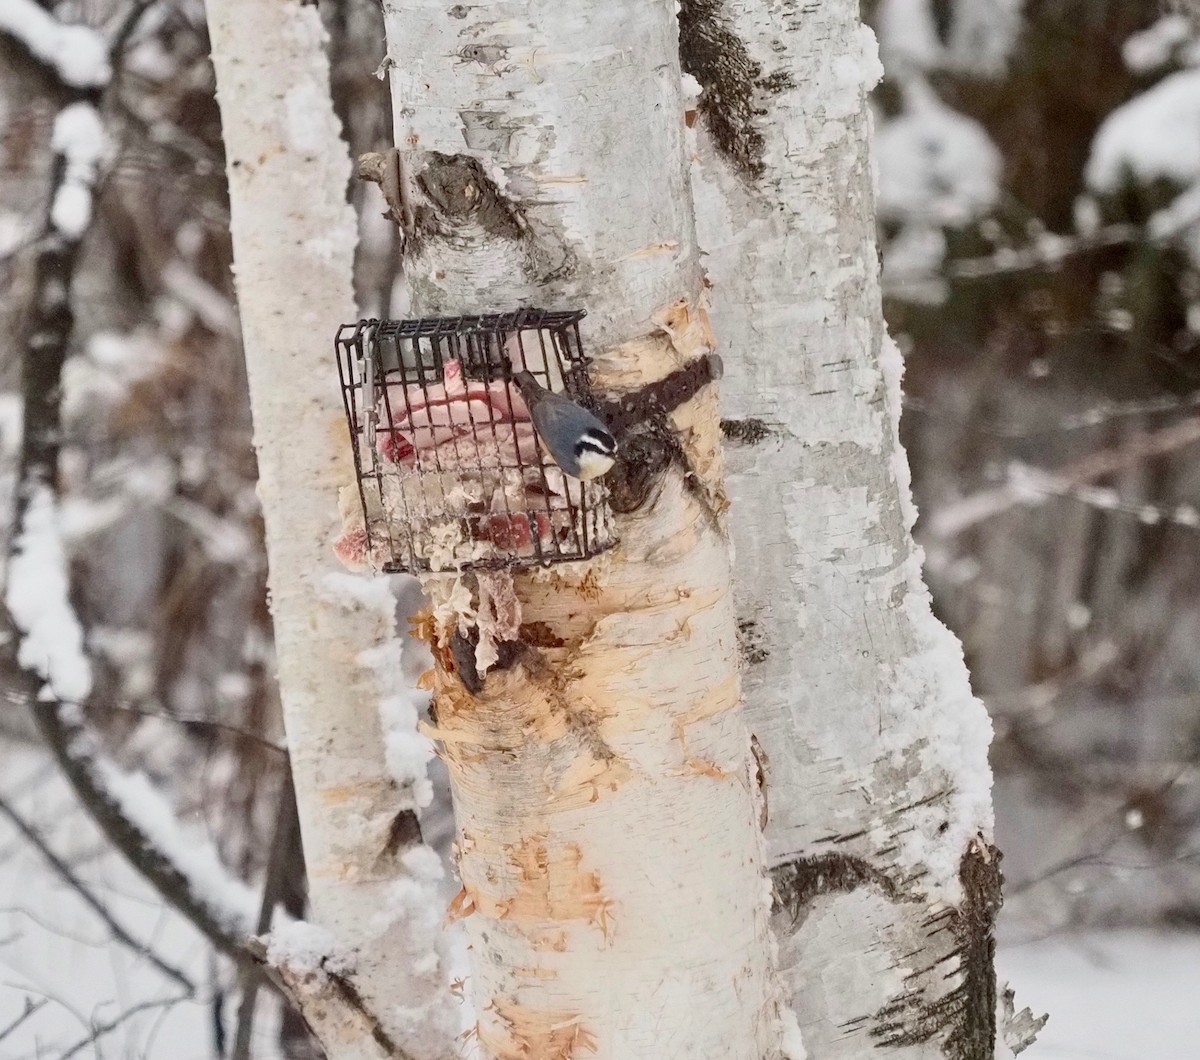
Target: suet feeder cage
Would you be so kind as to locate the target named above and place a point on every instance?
(450, 473)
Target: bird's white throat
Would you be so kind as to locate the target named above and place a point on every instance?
(593, 464)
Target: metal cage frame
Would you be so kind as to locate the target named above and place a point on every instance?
(382, 363)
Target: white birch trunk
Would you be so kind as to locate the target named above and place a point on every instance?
(880, 821)
(613, 889)
(294, 236)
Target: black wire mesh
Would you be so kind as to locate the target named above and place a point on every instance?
(450, 473)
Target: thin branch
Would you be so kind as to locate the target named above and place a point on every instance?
(1047, 253)
(208, 723)
(68, 875)
(1089, 419)
(101, 1029)
(286, 828)
(1068, 481)
(31, 1008)
(128, 26)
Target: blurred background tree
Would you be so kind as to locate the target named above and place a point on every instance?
(1039, 193)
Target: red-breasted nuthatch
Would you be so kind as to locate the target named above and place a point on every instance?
(575, 439)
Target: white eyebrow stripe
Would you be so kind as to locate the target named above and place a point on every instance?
(596, 442)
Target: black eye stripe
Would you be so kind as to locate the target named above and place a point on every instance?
(593, 441)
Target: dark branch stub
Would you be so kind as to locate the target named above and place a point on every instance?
(750, 431)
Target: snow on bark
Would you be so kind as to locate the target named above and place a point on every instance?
(80, 142)
(294, 237)
(37, 594)
(608, 848)
(878, 791)
(77, 54)
(233, 903)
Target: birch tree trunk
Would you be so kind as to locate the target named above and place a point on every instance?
(293, 238)
(611, 863)
(880, 822)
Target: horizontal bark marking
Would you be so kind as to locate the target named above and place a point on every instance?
(749, 431)
(798, 883)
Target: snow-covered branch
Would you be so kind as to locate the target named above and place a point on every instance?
(52, 672)
(301, 960)
(79, 145)
(78, 55)
(139, 822)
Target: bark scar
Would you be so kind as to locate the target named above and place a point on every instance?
(718, 58)
(639, 419)
(964, 1017)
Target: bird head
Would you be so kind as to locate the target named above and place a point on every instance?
(595, 453)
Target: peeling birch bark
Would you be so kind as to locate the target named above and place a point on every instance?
(293, 237)
(611, 864)
(880, 819)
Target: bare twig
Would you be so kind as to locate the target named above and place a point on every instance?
(962, 515)
(273, 887)
(128, 26)
(208, 723)
(31, 1008)
(68, 875)
(101, 1029)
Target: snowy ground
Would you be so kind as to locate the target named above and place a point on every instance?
(1114, 996)
(1126, 995)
